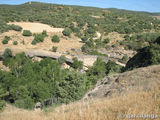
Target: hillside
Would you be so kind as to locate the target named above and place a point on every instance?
(139, 94)
(80, 60)
(111, 33)
(125, 83)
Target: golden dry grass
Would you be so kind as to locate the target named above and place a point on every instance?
(136, 103)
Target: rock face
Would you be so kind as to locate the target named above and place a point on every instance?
(37, 106)
(88, 60)
(123, 83)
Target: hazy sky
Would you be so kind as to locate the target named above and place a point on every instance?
(138, 5)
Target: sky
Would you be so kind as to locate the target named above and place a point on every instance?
(137, 5)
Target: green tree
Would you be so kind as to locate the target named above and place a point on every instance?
(15, 27)
(54, 49)
(72, 87)
(15, 43)
(77, 64)
(67, 32)
(5, 40)
(23, 99)
(2, 95)
(7, 53)
(27, 33)
(55, 38)
(38, 38)
(98, 68)
(41, 91)
(44, 33)
(84, 39)
(106, 40)
(61, 59)
(112, 67)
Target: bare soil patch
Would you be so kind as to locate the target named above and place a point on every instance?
(36, 27)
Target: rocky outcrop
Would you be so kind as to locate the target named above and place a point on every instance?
(123, 83)
(88, 60)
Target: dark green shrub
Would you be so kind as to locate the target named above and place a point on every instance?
(15, 27)
(98, 68)
(106, 40)
(2, 95)
(54, 49)
(112, 67)
(7, 53)
(5, 40)
(55, 38)
(77, 64)
(124, 59)
(90, 43)
(61, 59)
(84, 39)
(27, 33)
(34, 42)
(44, 33)
(15, 43)
(67, 32)
(85, 48)
(72, 87)
(38, 38)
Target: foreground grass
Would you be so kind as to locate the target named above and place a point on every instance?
(103, 109)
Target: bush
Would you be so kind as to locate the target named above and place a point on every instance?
(34, 42)
(72, 87)
(44, 33)
(2, 95)
(112, 67)
(55, 38)
(98, 68)
(61, 59)
(27, 33)
(67, 32)
(84, 39)
(77, 64)
(124, 59)
(7, 53)
(101, 69)
(95, 52)
(38, 38)
(85, 48)
(15, 27)
(5, 40)
(54, 49)
(15, 43)
(106, 40)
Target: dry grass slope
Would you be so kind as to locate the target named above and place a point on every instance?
(102, 109)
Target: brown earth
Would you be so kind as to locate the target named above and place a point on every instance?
(37, 27)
